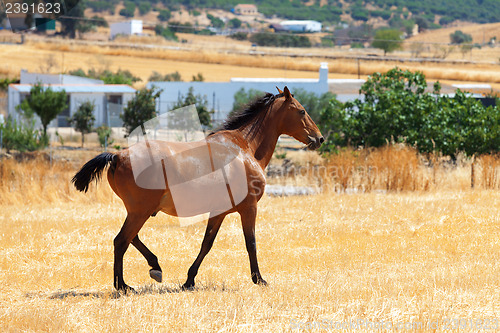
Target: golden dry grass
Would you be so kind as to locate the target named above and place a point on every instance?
(221, 58)
(400, 257)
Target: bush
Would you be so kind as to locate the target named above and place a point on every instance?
(21, 137)
(280, 40)
(164, 15)
(155, 76)
(104, 133)
(120, 77)
(398, 108)
(129, 9)
(239, 36)
(144, 7)
(166, 33)
(458, 37)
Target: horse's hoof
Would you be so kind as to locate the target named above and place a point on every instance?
(262, 282)
(155, 275)
(127, 290)
(187, 286)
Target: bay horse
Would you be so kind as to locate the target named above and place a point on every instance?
(250, 138)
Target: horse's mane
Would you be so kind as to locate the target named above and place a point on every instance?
(253, 113)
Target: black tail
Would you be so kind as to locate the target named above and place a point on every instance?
(92, 170)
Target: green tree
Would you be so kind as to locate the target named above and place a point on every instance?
(201, 104)
(104, 135)
(397, 108)
(140, 109)
(144, 7)
(166, 33)
(387, 39)
(215, 21)
(242, 98)
(458, 37)
(313, 103)
(45, 103)
(164, 15)
(71, 20)
(83, 119)
(234, 23)
(129, 9)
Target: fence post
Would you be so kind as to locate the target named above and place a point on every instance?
(1, 132)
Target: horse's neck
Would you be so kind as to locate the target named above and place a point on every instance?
(264, 143)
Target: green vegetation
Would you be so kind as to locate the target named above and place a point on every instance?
(313, 103)
(120, 77)
(140, 109)
(158, 77)
(104, 135)
(83, 119)
(398, 108)
(387, 40)
(243, 97)
(201, 106)
(129, 9)
(480, 11)
(458, 37)
(280, 40)
(167, 33)
(215, 21)
(45, 103)
(164, 15)
(21, 137)
(239, 36)
(4, 83)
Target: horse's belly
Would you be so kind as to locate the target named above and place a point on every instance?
(214, 192)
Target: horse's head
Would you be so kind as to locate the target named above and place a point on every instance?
(296, 122)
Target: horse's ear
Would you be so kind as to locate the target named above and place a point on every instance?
(279, 90)
(286, 92)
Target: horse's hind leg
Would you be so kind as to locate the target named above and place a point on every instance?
(155, 271)
(133, 223)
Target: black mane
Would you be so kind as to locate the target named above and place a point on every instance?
(254, 112)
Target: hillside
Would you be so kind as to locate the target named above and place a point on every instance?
(432, 13)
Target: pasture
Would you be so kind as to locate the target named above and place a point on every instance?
(408, 258)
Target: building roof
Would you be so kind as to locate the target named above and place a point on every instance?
(249, 79)
(246, 5)
(81, 88)
(299, 22)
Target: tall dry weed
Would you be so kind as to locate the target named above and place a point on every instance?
(489, 171)
(389, 168)
(37, 179)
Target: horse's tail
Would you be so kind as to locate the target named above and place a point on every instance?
(92, 170)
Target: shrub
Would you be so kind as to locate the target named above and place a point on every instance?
(21, 137)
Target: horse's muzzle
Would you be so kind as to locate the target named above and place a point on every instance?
(315, 142)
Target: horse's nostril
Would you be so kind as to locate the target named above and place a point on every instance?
(321, 139)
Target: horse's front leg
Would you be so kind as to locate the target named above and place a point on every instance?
(213, 226)
(248, 216)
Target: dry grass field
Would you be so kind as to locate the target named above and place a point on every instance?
(387, 261)
(220, 58)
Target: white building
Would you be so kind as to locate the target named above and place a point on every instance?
(220, 95)
(109, 99)
(132, 27)
(302, 26)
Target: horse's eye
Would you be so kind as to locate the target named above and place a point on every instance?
(302, 112)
